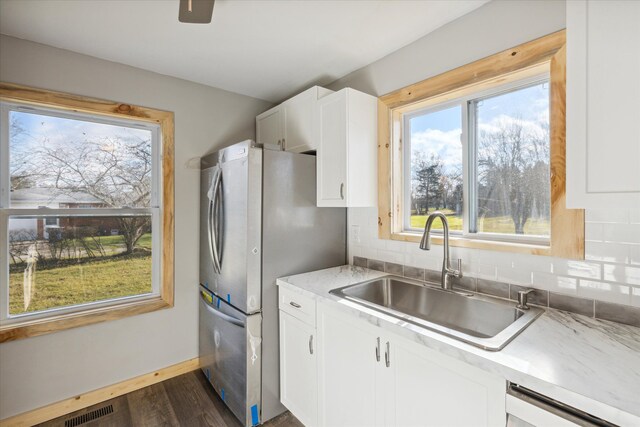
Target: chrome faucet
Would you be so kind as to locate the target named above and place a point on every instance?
(425, 245)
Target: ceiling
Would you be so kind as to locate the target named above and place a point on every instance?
(268, 49)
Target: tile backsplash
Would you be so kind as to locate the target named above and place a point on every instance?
(610, 272)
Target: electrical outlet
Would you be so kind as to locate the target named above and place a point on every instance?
(355, 233)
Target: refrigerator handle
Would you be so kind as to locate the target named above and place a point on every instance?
(222, 315)
(209, 234)
(220, 220)
(213, 222)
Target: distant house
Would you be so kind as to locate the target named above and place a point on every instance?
(43, 228)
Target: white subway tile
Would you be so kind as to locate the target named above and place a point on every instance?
(390, 256)
(396, 246)
(593, 231)
(634, 254)
(499, 259)
(607, 215)
(432, 263)
(355, 251)
(634, 216)
(603, 291)
(512, 275)
(482, 271)
(622, 274)
(370, 253)
(533, 263)
(607, 251)
(555, 283)
(588, 270)
(621, 233)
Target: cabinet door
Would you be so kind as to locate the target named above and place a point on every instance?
(347, 369)
(298, 369)
(330, 126)
(269, 127)
(298, 122)
(603, 90)
(431, 389)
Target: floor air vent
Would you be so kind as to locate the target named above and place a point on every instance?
(89, 416)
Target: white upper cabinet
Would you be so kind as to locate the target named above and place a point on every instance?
(603, 98)
(290, 124)
(345, 129)
(270, 127)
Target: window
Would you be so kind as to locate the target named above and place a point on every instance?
(505, 135)
(479, 144)
(84, 211)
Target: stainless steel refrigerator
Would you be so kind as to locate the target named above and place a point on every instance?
(258, 222)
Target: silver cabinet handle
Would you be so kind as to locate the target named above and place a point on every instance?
(342, 191)
(295, 304)
(387, 355)
(310, 344)
(283, 144)
(378, 350)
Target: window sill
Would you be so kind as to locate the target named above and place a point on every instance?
(490, 245)
(32, 328)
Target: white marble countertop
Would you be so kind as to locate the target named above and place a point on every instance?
(593, 365)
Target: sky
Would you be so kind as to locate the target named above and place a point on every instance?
(48, 149)
(439, 132)
(56, 130)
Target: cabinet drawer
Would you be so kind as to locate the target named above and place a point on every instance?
(299, 306)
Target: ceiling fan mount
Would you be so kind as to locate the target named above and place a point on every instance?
(196, 11)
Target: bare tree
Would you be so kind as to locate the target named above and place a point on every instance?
(22, 174)
(513, 162)
(114, 170)
(19, 242)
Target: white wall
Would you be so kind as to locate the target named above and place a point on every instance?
(611, 271)
(41, 370)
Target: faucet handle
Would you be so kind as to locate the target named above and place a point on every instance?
(455, 272)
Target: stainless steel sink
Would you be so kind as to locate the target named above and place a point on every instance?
(485, 322)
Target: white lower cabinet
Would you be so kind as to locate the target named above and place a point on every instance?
(298, 369)
(430, 389)
(368, 377)
(347, 371)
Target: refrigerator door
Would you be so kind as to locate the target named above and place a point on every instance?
(297, 237)
(230, 355)
(230, 223)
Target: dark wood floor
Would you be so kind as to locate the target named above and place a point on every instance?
(186, 400)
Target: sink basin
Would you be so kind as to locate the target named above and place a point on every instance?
(485, 322)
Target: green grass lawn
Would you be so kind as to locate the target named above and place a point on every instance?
(87, 282)
(112, 242)
(501, 224)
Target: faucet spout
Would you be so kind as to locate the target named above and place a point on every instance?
(425, 244)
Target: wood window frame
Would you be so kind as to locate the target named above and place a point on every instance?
(165, 120)
(548, 52)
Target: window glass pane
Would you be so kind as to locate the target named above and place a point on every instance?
(513, 185)
(76, 260)
(436, 167)
(67, 163)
